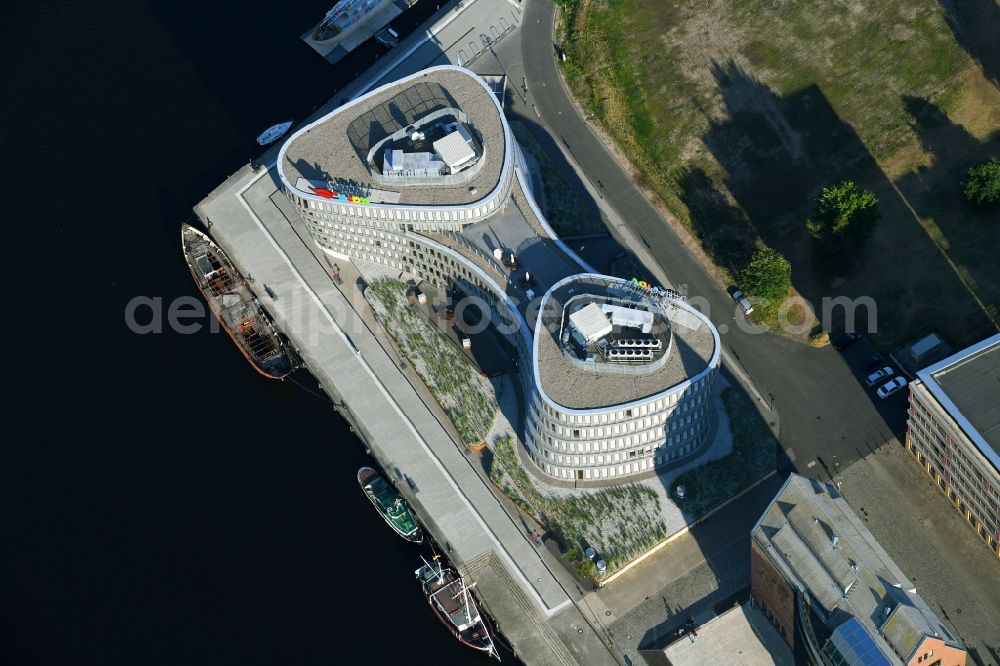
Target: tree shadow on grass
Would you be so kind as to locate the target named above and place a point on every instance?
(778, 152)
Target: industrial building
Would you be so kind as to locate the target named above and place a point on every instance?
(834, 594)
(953, 433)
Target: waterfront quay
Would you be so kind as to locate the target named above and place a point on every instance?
(522, 586)
(312, 223)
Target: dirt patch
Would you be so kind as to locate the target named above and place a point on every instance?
(735, 114)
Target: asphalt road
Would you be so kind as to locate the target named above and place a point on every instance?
(825, 411)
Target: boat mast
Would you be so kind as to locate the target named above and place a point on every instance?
(465, 600)
(439, 574)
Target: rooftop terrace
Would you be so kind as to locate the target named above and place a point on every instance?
(335, 148)
(741, 635)
(688, 342)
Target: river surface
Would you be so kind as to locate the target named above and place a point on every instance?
(161, 502)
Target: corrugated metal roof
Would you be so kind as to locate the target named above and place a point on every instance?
(802, 550)
(590, 322)
(454, 149)
(821, 544)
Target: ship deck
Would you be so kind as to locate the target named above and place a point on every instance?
(231, 299)
(336, 49)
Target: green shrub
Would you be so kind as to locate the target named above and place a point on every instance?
(768, 275)
(982, 183)
(844, 218)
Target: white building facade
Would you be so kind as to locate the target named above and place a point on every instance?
(421, 237)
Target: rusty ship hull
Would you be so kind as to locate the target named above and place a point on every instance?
(234, 305)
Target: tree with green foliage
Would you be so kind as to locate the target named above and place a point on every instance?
(768, 275)
(982, 183)
(844, 218)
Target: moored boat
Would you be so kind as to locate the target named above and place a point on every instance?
(274, 132)
(342, 16)
(453, 603)
(390, 505)
(234, 305)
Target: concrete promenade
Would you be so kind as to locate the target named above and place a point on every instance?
(250, 219)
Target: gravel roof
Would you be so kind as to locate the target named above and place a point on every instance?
(336, 147)
(580, 388)
(797, 531)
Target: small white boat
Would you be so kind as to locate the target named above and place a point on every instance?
(273, 133)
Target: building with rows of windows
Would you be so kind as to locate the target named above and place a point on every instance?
(954, 433)
(423, 178)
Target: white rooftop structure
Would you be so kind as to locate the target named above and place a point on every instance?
(398, 162)
(591, 322)
(454, 149)
(629, 317)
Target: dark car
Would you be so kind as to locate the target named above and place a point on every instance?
(871, 361)
(845, 340)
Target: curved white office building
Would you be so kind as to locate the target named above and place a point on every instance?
(423, 177)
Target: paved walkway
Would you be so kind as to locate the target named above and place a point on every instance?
(449, 493)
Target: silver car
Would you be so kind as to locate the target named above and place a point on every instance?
(743, 302)
(879, 375)
(891, 387)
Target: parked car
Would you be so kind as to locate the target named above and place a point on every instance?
(742, 301)
(871, 361)
(891, 386)
(845, 340)
(879, 375)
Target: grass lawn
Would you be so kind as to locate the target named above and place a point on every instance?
(736, 112)
(619, 523)
(752, 457)
(468, 398)
(561, 201)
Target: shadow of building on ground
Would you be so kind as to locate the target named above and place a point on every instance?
(722, 228)
(778, 152)
(715, 603)
(976, 24)
(969, 234)
(547, 142)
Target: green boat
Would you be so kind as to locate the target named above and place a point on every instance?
(390, 504)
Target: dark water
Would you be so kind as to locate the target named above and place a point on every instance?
(161, 503)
